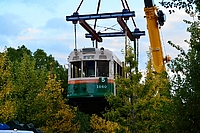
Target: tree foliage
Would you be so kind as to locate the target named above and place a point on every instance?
(52, 65)
(153, 108)
(33, 95)
(101, 125)
(28, 83)
(17, 54)
(51, 102)
(84, 122)
(141, 106)
(190, 6)
(121, 105)
(7, 104)
(42, 61)
(186, 70)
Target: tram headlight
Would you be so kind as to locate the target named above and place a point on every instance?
(102, 50)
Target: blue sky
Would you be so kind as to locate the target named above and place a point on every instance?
(41, 24)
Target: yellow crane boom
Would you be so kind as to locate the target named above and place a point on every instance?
(155, 18)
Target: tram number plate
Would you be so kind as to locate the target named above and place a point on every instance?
(101, 86)
(102, 83)
(103, 80)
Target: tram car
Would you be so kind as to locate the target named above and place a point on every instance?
(91, 73)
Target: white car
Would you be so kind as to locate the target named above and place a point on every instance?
(15, 131)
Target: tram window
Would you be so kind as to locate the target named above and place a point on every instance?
(115, 69)
(103, 68)
(89, 68)
(119, 70)
(76, 69)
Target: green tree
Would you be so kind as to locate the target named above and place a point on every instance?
(185, 81)
(51, 65)
(52, 113)
(122, 105)
(42, 61)
(185, 68)
(28, 82)
(17, 54)
(7, 104)
(32, 95)
(84, 122)
(100, 125)
(39, 98)
(153, 106)
(141, 106)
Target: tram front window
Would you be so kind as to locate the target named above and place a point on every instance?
(89, 68)
(76, 69)
(103, 68)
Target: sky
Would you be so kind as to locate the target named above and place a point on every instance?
(41, 24)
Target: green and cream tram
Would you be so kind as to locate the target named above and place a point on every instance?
(91, 73)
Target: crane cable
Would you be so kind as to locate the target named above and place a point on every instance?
(79, 5)
(128, 9)
(126, 37)
(137, 39)
(123, 4)
(75, 43)
(137, 44)
(95, 22)
(98, 6)
(75, 36)
(137, 54)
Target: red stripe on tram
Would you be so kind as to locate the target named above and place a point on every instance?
(83, 81)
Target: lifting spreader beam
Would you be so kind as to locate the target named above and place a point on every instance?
(135, 34)
(77, 17)
(125, 28)
(95, 36)
(87, 27)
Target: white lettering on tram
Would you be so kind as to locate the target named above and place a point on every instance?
(103, 79)
(101, 86)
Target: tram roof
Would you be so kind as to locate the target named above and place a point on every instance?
(92, 54)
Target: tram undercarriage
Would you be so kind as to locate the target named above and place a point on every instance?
(94, 105)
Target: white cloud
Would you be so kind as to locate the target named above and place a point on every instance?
(29, 34)
(33, 31)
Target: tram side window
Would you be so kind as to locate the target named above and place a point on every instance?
(76, 69)
(88, 68)
(117, 69)
(103, 68)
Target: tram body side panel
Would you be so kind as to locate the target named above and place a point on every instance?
(96, 87)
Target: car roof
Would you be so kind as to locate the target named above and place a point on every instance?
(17, 131)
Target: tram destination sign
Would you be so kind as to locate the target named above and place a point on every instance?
(88, 50)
